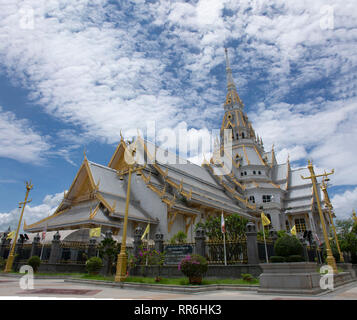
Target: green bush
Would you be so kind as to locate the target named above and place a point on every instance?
(276, 259)
(295, 258)
(93, 265)
(34, 262)
(247, 277)
(287, 246)
(193, 266)
(2, 263)
(179, 237)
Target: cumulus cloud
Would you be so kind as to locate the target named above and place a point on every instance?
(31, 214)
(19, 141)
(344, 203)
(93, 66)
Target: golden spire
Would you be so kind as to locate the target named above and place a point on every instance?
(84, 153)
(232, 97)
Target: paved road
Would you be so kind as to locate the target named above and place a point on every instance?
(59, 289)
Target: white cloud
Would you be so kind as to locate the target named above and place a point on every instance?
(32, 213)
(19, 141)
(344, 203)
(102, 74)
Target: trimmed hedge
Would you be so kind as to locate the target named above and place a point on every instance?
(287, 246)
(276, 259)
(295, 258)
(93, 265)
(34, 262)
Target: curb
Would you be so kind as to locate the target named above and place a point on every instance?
(12, 275)
(164, 287)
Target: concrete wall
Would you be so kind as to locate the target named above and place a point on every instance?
(214, 271)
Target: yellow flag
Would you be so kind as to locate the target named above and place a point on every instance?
(265, 219)
(146, 231)
(11, 235)
(293, 230)
(94, 232)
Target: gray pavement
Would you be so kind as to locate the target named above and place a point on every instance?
(59, 289)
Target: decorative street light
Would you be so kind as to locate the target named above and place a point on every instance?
(330, 258)
(329, 206)
(11, 256)
(122, 256)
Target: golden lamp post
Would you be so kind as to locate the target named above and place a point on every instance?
(11, 256)
(330, 258)
(329, 206)
(354, 216)
(122, 256)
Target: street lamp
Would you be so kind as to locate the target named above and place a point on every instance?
(122, 256)
(329, 206)
(330, 259)
(11, 256)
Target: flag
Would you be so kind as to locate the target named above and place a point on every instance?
(146, 231)
(293, 230)
(223, 224)
(265, 219)
(11, 235)
(94, 232)
(317, 238)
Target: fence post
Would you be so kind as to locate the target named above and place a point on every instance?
(3, 245)
(200, 242)
(92, 248)
(106, 265)
(137, 240)
(304, 249)
(55, 248)
(159, 242)
(35, 246)
(252, 245)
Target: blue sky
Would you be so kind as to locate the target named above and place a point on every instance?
(73, 73)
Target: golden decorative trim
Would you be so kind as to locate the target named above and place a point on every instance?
(260, 157)
(102, 200)
(92, 215)
(245, 153)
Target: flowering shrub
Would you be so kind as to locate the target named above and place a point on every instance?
(193, 266)
(147, 256)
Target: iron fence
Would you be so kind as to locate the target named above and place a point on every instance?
(261, 249)
(236, 252)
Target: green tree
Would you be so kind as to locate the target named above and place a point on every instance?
(347, 236)
(235, 227)
(109, 250)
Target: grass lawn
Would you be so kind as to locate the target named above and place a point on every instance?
(168, 281)
(171, 281)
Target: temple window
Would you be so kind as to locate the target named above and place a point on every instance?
(252, 199)
(300, 225)
(266, 198)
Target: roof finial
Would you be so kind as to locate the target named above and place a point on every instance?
(230, 81)
(84, 153)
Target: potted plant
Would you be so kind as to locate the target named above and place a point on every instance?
(194, 267)
(93, 265)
